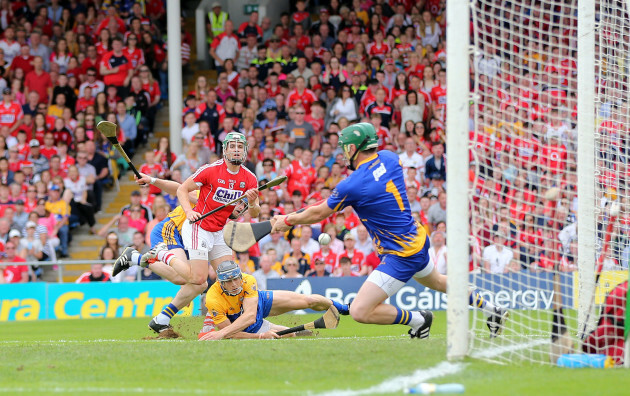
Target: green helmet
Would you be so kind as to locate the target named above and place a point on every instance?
(361, 135)
(239, 138)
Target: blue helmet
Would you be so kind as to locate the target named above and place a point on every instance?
(227, 271)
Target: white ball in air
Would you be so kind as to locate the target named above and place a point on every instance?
(324, 239)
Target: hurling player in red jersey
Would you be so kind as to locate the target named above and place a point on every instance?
(219, 183)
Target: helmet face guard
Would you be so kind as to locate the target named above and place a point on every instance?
(232, 157)
(228, 271)
(239, 209)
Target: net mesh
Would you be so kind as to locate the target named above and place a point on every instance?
(612, 123)
(523, 182)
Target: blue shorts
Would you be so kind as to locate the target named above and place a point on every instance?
(404, 268)
(166, 231)
(265, 301)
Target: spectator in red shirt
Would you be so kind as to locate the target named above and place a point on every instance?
(438, 92)
(356, 257)
(91, 61)
(12, 273)
(11, 113)
(378, 49)
(300, 38)
(381, 107)
(95, 274)
(319, 268)
(554, 156)
(55, 168)
(301, 174)
(23, 61)
(112, 15)
(371, 261)
(152, 169)
(49, 149)
(85, 101)
(38, 80)
(301, 96)
(327, 256)
(250, 27)
(345, 267)
(115, 67)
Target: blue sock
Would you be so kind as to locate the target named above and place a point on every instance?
(170, 310)
(475, 299)
(165, 316)
(344, 309)
(402, 316)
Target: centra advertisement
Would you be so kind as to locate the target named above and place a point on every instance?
(33, 301)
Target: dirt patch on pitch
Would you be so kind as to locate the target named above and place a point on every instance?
(167, 334)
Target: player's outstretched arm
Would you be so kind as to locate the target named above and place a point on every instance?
(183, 195)
(247, 318)
(241, 335)
(311, 215)
(168, 186)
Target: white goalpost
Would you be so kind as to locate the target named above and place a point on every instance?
(457, 19)
(546, 121)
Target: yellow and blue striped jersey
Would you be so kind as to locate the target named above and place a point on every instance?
(377, 192)
(178, 216)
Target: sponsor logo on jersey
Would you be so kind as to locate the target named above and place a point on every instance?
(231, 185)
(221, 181)
(224, 195)
(7, 118)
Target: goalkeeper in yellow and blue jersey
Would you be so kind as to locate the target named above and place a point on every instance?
(376, 191)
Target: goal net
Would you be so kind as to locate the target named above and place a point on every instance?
(524, 172)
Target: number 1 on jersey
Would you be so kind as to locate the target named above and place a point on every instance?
(390, 187)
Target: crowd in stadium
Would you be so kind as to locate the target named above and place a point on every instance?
(65, 66)
(290, 88)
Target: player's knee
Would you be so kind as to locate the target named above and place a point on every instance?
(199, 280)
(359, 314)
(202, 288)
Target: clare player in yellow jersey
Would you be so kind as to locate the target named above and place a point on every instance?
(237, 309)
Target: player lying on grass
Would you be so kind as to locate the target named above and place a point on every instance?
(376, 191)
(237, 309)
(167, 233)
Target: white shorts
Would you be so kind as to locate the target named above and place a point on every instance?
(196, 238)
(265, 327)
(387, 283)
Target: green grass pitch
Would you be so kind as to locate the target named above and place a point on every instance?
(109, 356)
